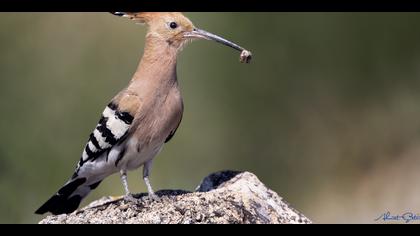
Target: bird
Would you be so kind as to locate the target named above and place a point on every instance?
(141, 118)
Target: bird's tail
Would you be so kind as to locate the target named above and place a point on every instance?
(68, 198)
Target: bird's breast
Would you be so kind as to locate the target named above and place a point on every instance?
(163, 116)
(158, 122)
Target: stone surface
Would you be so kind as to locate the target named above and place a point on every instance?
(221, 198)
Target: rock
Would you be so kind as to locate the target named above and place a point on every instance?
(222, 197)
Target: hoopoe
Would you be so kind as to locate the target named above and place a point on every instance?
(141, 118)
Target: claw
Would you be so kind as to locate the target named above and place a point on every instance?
(130, 198)
(153, 197)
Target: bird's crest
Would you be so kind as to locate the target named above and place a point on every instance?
(148, 17)
(139, 17)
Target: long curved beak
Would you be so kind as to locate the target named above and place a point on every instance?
(202, 34)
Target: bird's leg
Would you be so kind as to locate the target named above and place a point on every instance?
(128, 196)
(146, 171)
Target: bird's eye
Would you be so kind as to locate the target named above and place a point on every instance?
(173, 25)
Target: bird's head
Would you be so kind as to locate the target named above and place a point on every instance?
(176, 30)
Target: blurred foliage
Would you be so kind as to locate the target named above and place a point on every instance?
(327, 114)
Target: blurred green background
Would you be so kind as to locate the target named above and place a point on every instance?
(327, 114)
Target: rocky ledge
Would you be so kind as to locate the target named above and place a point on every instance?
(227, 197)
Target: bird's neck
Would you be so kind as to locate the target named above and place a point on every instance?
(158, 63)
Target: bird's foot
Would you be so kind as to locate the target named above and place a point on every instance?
(153, 197)
(151, 194)
(130, 198)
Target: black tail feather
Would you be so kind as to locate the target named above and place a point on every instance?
(61, 202)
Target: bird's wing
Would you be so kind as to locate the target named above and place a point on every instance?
(172, 133)
(112, 129)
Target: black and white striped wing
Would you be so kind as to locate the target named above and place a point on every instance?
(111, 129)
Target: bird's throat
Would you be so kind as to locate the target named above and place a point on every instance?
(156, 73)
